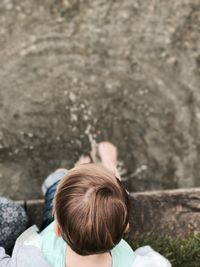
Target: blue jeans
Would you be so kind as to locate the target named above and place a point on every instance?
(49, 188)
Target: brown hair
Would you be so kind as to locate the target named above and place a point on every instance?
(92, 209)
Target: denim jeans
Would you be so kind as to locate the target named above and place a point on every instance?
(49, 188)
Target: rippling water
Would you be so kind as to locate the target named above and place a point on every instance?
(76, 71)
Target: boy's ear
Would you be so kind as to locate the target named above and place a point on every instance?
(57, 229)
(127, 228)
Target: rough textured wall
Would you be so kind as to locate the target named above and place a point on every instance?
(169, 212)
(77, 71)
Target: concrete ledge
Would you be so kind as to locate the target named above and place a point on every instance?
(171, 212)
(34, 210)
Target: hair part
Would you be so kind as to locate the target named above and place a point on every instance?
(92, 209)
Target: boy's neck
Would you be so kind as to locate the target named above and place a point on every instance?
(73, 259)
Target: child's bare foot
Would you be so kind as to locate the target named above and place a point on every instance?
(108, 155)
(83, 160)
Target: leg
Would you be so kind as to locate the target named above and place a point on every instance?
(49, 188)
(108, 155)
(13, 221)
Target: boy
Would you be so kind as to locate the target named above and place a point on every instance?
(91, 211)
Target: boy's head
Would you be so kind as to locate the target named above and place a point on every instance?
(91, 208)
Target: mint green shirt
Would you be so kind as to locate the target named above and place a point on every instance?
(54, 249)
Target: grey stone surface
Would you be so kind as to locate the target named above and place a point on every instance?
(34, 209)
(75, 72)
(168, 212)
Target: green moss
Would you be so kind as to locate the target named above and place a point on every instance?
(180, 252)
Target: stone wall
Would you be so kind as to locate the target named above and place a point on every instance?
(74, 72)
(169, 212)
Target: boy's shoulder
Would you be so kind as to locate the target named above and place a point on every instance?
(122, 254)
(52, 246)
(33, 248)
